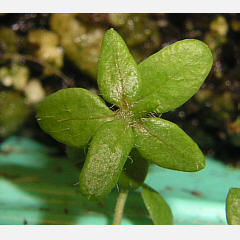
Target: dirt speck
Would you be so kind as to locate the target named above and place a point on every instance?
(43, 209)
(196, 193)
(101, 203)
(66, 211)
(9, 176)
(59, 169)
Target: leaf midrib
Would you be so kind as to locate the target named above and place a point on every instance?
(118, 69)
(83, 119)
(159, 139)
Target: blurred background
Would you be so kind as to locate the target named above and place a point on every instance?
(42, 53)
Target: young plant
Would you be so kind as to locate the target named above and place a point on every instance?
(121, 143)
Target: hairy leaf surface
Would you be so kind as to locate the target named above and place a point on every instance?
(173, 75)
(72, 115)
(118, 77)
(106, 157)
(165, 144)
(158, 209)
(233, 206)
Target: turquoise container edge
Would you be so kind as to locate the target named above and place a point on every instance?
(38, 187)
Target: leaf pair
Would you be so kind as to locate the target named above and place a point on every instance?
(77, 117)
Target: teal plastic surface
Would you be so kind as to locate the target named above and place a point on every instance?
(38, 187)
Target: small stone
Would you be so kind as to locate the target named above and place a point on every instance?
(34, 91)
(219, 25)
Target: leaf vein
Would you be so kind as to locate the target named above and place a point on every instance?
(159, 139)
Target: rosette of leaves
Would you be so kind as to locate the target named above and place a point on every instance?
(122, 143)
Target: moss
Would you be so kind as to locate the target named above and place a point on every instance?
(16, 76)
(45, 46)
(8, 40)
(13, 112)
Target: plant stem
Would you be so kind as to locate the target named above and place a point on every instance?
(122, 197)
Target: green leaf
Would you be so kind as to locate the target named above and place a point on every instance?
(106, 157)
(72, 115)
(118, 77)
(167, 145)
(233, 206)
(134, 171)
(173, 75)
(158, 209)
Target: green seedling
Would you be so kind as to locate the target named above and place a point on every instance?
(122, 143)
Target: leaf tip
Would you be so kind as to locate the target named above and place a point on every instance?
(204, 50)
(110, 31)
(200, 164)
